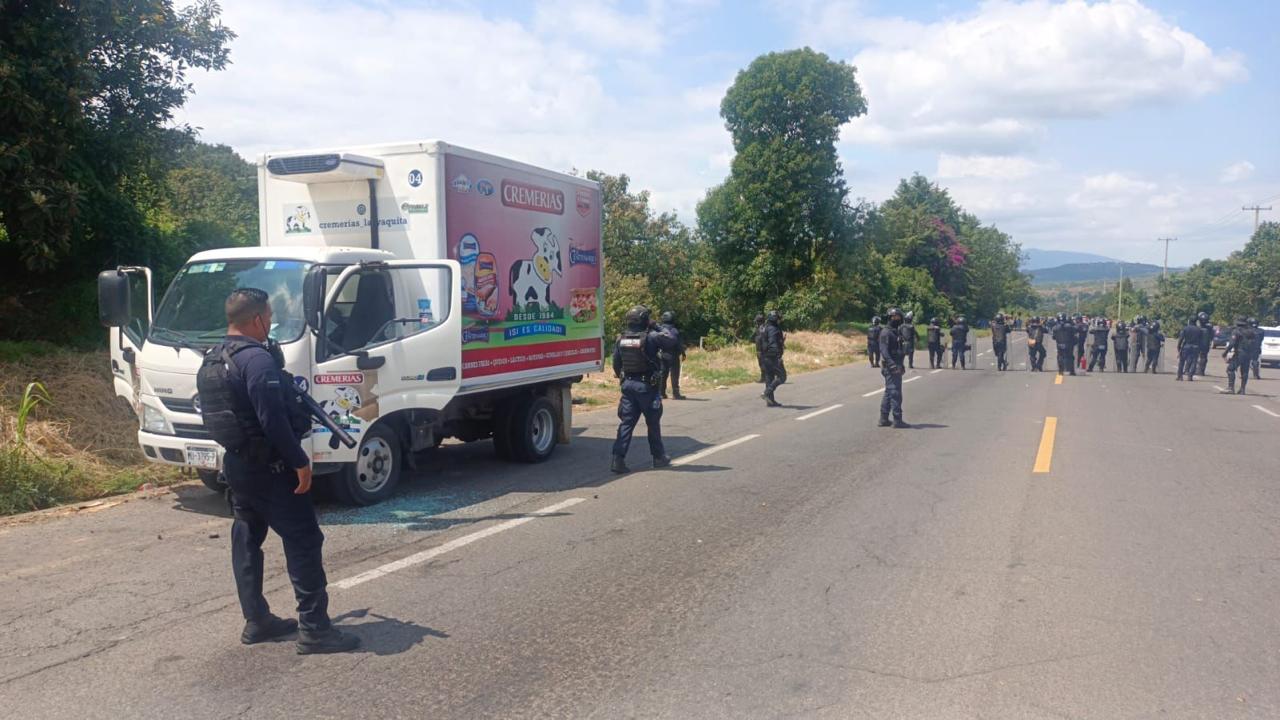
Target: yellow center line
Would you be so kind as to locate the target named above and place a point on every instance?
(1058, 380)
(1044, 456)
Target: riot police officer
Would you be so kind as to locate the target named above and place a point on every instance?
(1206, 342)
(1064, 336)
(1000, 341)
(1155, 342)
(1189, 349)
(908, 331)
(959, 341)
(1035, 344)
(1082, 336)
(873, 341)
(756, 338)
(671, 358)
(1255, 355)
(891, 367)
(245, 405)
(1140, 330)
(775, 344)
(1098, 349)
(1238, 354)
(1120, 341)
(933, 338)
(636, 363)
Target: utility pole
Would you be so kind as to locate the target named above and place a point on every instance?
(1256, 210)
(1120, 295)
(1166, 241)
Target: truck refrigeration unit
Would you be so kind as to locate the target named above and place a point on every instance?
(419, 292)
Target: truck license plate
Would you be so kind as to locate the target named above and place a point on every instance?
(202, 457)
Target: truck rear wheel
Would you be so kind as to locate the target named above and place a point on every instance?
(533, 428)
(375, 473)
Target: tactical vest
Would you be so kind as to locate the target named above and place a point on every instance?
(934, 335)
(631, 346)
(232, 424)
(998, 332)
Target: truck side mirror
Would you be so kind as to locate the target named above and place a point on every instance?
(113, 298)
(313, 298)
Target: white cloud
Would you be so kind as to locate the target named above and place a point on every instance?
(1002, 167)
(1236, 172)
(1112, 190)
(602, 24)
(999, 73)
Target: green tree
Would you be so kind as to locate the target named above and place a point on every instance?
(780, 224)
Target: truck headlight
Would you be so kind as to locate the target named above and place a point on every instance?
(153, 421)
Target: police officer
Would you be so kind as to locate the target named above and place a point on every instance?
(873, 341)
(1140, 330)
(933, 338)
(1120, 341)
(1155, 341)
(756, 337)
(1000, 341)
(891, 367)
(1189, 349)
(1064, 336)
(1255, 357)
(671, 358)
(1206, 342)
(959, 341)
(1238, 354)
(1035, 344)
(245, 403)
(1098, 349)
(636, 363)
(775, 344)
(1082, 336)
(908, 331)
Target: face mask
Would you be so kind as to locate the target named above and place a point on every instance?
(895, 322)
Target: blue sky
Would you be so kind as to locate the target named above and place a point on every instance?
(1095, 126)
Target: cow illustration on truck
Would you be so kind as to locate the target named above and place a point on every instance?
(392, 327)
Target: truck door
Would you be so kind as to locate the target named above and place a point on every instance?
(391, 340)
(127, 339)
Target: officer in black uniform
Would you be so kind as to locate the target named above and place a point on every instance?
(1206, 342)
(1098, 350)
(1082, 336)
(873, 341)
(1035, 344)
(908, 331)
(636, 363)
(1238, 355)
(756, 338)
(245, 404)
(959, 342)
(933, 338)
(891, 368)
(1140, 330)
(1189, 349)
(671, 358)
(1000, 341)
(1064, 336)
(1120, 341)
(1255, 357)
(1155, 342)
(775, 344)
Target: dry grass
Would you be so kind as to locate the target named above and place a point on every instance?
(736, 365)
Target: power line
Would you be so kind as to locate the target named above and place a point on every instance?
(1257, 209)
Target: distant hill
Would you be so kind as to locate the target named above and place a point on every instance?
(1085, 272)
(1034, 259)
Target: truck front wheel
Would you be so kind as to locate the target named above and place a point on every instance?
(532, 429)
(375, 473)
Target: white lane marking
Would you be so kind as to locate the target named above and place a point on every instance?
(917, 377)
(935, 372)
(873, 392)
(816, 413)
(984, 352)
(1259, 407)
(685, 460)
(425, 555)
(1218, 388)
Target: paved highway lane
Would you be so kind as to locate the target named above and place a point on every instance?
(815, 567)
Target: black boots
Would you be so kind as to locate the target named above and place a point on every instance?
(268, 628)
(619, 465)
(661, 461)
(322, 642)
(899, 424)
(884, 421)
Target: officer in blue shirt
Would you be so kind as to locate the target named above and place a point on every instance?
(245, 403)
(636, 363)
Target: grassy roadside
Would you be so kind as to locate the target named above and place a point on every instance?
(705, 370)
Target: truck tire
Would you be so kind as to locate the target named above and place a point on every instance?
(533, 429)
(375, 473)
(212, 479)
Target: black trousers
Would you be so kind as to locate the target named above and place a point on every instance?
(760, 362)
(1036, 355)
(1256, 362)
(909, 354)
(639, 400)
(957, 352)
(1122, 361)
(1240, 364)
(671, 372)
(1098, 356)
(873, 352)
(1153, 357)
(262, 498)
(774, 374)
(1204, 361)
(1001, 349)
(1188, 360)
(892, 400)
(935, 355)
(1066, 360)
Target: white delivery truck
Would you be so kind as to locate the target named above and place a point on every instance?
(420, 291)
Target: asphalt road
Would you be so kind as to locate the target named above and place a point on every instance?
(796, 565)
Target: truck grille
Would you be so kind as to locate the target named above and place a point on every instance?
(193, 432)
(180, 405)
(303, 164)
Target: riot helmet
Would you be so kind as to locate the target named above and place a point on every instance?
(1203, 317)
(1253, 322)
(895, 316)
(668, 317)
(875, 320)
(774, 317)
(638, 318)
(1242, 321)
